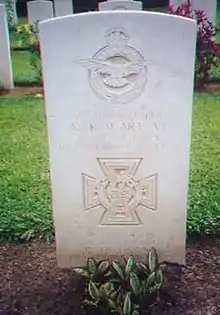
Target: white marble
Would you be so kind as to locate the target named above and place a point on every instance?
(6, 77)
(63, 7)
(118, 112)
(120, 5)
(39, 10)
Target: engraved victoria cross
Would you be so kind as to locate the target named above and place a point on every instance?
(119, 193)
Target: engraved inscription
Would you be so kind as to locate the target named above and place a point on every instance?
(119, 193)
(117, 72)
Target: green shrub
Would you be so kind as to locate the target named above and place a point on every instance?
(28, 37)
(206, 49)
(122, 287)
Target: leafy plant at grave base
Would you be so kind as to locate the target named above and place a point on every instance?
(124, 287)
(29, 37)
(206, 49)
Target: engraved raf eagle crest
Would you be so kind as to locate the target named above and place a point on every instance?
(117, 72)
(119, 193)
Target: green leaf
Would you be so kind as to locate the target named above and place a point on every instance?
(93, 291)
(108, 287)
(118, 269)
(91, 265)
(108, 273)
(151, 280)
(130, 265)
(112, 304)
(115, 280)
(27, 235)
(81, 272)
(135, 312)
(90, 303)
(155, 288)
(159, 277)
(143, 287)
(119, 298)
(135, 283)
(123, 262)
(136, 307)
(152, 259)
(113, 295)
(127, 305)
(142, 268)
(103, 266)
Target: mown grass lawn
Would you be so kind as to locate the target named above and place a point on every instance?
(25, 209)
(204, 192)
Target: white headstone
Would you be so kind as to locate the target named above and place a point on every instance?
(6, 78)
(63, 7)
(14, 8)
(119, 122)
(120, 5)
(39, 10)
(11, 9)
(209, 6)
(176, 3)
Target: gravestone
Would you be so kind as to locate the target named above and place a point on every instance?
(209, 6)
(11, 10)
(176, 3)
(119, 122)
(6, 78)
(120, 5)
(14, 10)
(39, 10)
(63, 7)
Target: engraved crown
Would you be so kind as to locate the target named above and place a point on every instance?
(117, 37)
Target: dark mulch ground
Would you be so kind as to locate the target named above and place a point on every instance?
(31, 283)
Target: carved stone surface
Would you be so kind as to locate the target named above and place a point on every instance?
(117, 72)
(118, 106)
(120, 193)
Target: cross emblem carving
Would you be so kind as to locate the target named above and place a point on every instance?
(119, 193)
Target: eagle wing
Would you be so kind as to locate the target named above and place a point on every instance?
(132, 68)
(99, 66)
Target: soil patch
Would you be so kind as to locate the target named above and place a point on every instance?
(210, 87)
(20, 91)
(31, 282)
